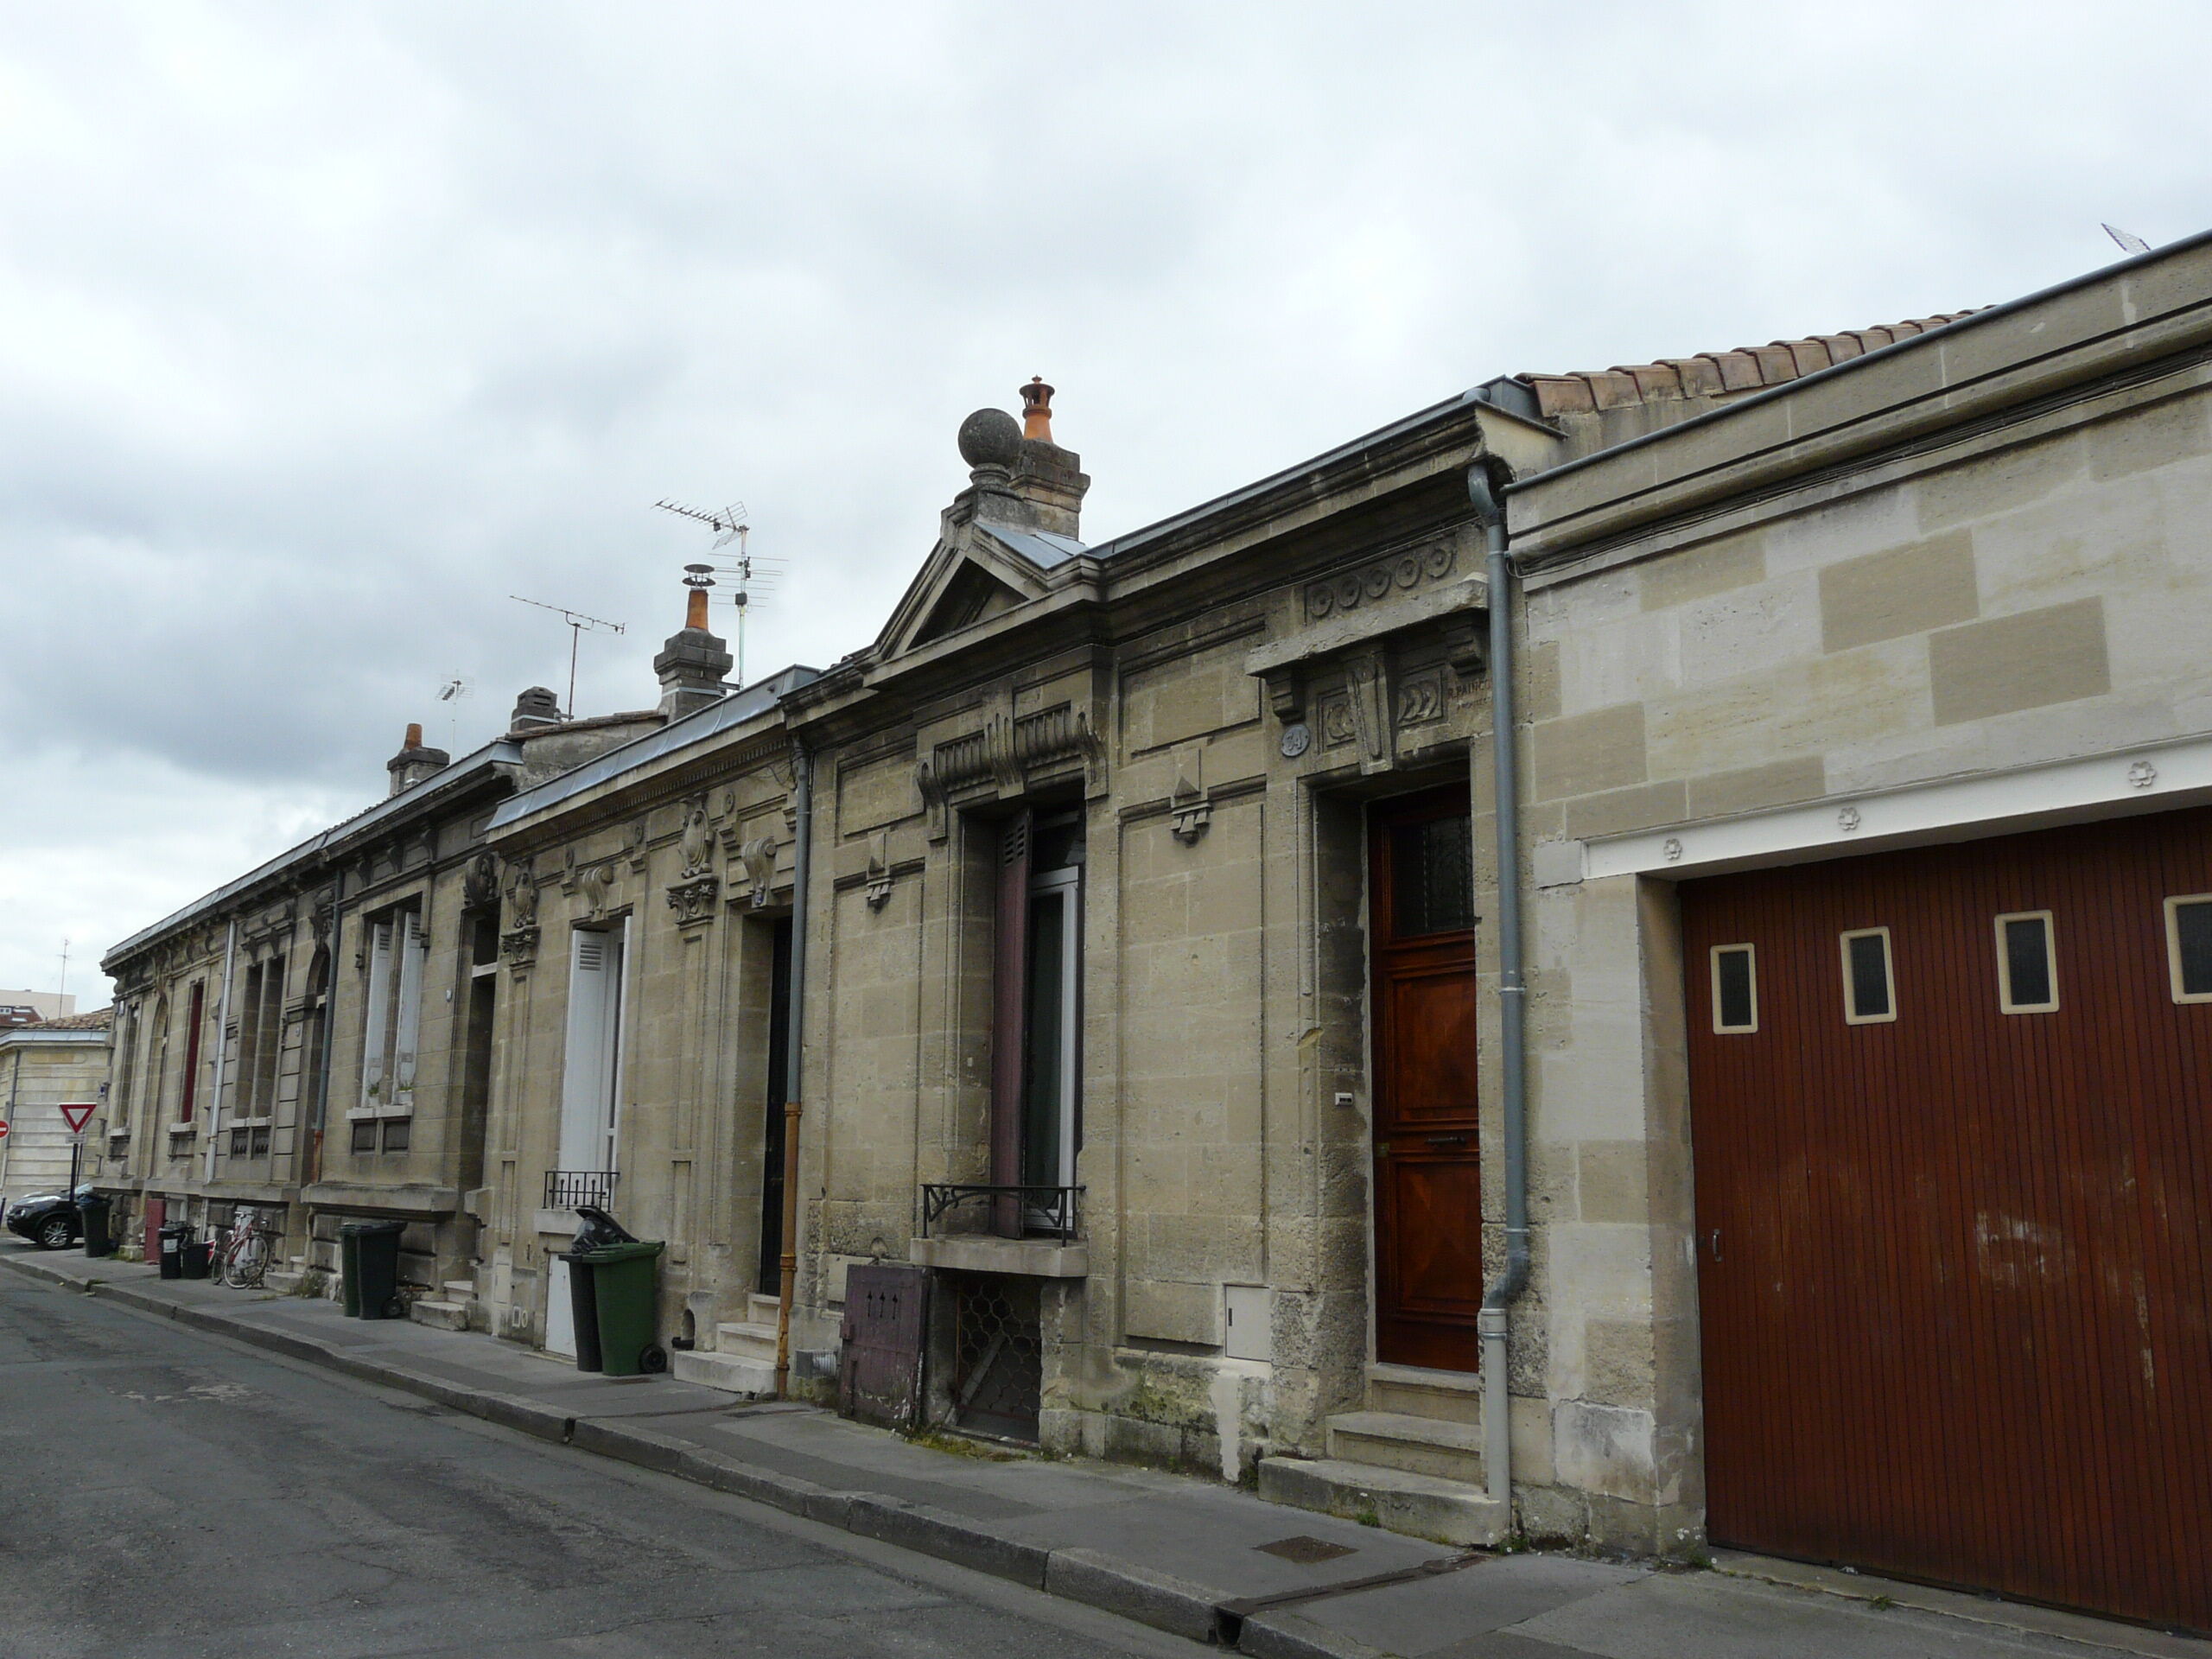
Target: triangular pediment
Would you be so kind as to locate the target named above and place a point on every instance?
(967, 581)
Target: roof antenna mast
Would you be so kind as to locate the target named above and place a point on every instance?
(577, 622)
(751, 571)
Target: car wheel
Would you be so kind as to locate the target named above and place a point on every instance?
(56, 1233)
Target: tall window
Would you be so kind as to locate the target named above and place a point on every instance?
(126, 1067)
(1036, 1122)
(195, 1017)
(592, 1069)
(261, 1037)
(395, 1016)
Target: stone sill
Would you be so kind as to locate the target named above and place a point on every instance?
(1033, 1258)
(424, 1201)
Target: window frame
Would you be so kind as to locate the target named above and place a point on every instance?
(1714, 969)
(2174, 902)
(2006, 1003)
(1851, 1015)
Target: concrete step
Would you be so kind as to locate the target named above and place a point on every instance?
(1419, 1446)
(1448, 1396)
(761, 1310)
(282, 1280)
(729, 1372)
(749, 1340)
(446, 1316)
(459, 1290)
(1421, 1506)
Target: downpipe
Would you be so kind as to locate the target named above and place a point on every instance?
(787, 1277)
(1492, 1325)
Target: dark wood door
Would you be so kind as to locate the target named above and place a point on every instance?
(1953, 1263)
(1428, 1154)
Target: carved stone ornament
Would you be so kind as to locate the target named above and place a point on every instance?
(759, 857)
(521, 893)
(2142, 775)
(596, 883)
(1350, 591)
(519, 946)
(693, 901)
(480, 885)
(879, 871)
(1368, 690)
(1848, 820)
(698, 841)
(1190, 810)
(634, 845)
(1007, 753)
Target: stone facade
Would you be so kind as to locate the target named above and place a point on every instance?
(44, 1066)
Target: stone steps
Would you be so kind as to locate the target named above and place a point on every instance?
(749, 1339)
(1421, 1506)
(1415, 1391)
(732, 1373)
(443, 1315)
(1416, 1446)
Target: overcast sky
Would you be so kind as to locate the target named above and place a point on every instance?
(327, 328)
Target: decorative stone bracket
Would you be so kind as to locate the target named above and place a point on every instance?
(759, 857)
(878, 870)
(1008, 756)
(1189, 807)
(693, 901)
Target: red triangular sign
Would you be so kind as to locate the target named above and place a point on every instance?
(77, 1117)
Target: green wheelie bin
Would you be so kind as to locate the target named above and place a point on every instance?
(625, 1284)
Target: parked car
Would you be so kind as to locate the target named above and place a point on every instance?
(49, 1220)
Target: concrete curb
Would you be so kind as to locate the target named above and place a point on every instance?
(1086, 1576)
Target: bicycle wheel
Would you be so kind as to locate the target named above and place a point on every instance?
(247, 1263)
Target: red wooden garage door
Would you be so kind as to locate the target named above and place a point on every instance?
(1953, 1260)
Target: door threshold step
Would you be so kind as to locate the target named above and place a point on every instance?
(1420, 1506)
(731, 1373)
(1397, 1439)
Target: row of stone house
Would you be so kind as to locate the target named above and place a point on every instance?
(1780, 1126)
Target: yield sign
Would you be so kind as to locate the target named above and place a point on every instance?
(77, 1117)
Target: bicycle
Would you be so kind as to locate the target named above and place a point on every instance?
(248, 1250)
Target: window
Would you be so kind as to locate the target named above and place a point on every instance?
(2027, 967)
(1735, 989)
(364, 1135)
(1432, 876)
(1035, 1122)
(195, 1017)
(1869, 985)
(592, 1069)
(395, 999)
(2189, 946)
(398, 1131)
(261, 1037)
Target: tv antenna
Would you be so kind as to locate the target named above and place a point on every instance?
(451, 691)
(577, 622)
(753, 572)
(2127, 239)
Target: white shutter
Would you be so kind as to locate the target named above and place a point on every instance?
(414, 948)
(378, 1028)
(584, 1068)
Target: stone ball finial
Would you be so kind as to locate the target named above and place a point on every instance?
(990, 437)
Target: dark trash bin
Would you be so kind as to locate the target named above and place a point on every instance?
(193, 1260)
(370, 1252)
(174, 1237)
(95, 1210)
(599, 1230)
(625, 1285)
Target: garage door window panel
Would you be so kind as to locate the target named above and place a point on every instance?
(1735, 990)
(1869, 991)
(2189, 946)
(2027, 965)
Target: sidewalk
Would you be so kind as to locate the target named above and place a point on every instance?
(1201, 1561)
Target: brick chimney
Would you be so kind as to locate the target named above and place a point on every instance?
(691, 666)
(1020, 477)
(414, 763)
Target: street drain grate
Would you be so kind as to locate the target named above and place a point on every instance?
(1307, 1551)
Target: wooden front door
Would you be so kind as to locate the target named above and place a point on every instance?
(1429, 1210)
(1953, 1121)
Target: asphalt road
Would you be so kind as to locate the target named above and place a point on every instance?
(165, 1493)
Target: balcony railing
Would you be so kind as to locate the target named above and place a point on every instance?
(1052, 1211)
(569, 1189)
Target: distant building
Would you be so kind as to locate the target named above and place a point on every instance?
(27, 1008)
(45, 1065)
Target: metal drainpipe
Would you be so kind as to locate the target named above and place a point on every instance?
(222, 1028)
(803, 833)
(1512, 996)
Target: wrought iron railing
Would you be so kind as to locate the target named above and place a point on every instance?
(567, 1189)
(1056, 1210)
